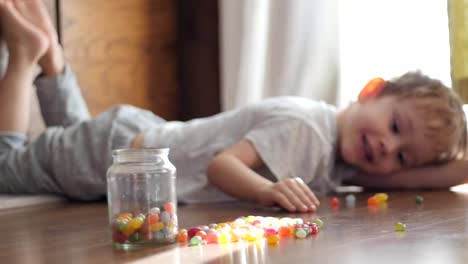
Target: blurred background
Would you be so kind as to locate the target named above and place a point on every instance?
(184, 59)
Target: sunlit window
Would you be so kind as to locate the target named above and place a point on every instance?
(387, 38)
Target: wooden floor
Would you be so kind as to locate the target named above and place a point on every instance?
(437, 232)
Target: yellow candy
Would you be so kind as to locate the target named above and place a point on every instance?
(128, 230)
(381, 197)
(136, 222)
(250, 219)
(170, 224)
(273, 239)
(224, 238)
(125, 216)
(156, 227)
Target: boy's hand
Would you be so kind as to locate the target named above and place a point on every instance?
(291, 194)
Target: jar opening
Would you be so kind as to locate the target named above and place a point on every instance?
(139, 155)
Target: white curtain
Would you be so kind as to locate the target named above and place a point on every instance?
(387, 38)
(278, 47)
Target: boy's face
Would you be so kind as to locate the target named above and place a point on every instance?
(382, 135)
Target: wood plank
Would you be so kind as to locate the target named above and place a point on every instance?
(436, 233)
(124, 52)
(198, 49)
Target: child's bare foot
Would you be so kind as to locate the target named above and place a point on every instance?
(25, 42)
(36, 13)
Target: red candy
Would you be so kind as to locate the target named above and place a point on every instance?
(192, 232)
(119, 237)
(335, 202)
(314, 229)
(270, 231)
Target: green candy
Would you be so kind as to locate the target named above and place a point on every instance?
(195, 240)
(400, 227)
(419, 199)
(122, 225)
(318, 222)
(135, 237)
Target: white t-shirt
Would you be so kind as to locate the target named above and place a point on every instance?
(295, 137)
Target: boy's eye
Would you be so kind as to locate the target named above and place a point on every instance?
(395, 128)
(401, 158)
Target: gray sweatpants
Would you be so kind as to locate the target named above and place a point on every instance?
(71, 157)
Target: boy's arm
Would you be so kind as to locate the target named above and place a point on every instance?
(232, 171)
(433, 176)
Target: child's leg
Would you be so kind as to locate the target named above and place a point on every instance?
(59, 96)
(60, 99)
(71, 161)
(26, 45)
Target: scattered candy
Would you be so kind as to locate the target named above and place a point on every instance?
(372, 201)
(182, 237)
(300, 233)
(318, 222)
(400, 227)
(196, 240)
(273, 240)
(314, 229)
(212, 237)
(192, 231)
(381, 197)
(335, 202)
(419, 199)
(250, 229)
(350, 199)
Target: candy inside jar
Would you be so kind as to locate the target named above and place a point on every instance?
(158, 225)
(142, 198)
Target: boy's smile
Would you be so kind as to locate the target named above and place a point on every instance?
(382, 135)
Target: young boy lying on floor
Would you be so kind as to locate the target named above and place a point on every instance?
(407, 132)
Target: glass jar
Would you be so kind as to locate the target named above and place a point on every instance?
(141, 198)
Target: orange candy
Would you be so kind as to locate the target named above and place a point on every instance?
(372, 88)
(169, 207)
(201, 234)
(372, 201)
(182, 237)
(284, 231)
(152, 218)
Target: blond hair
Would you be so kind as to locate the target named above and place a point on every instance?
(440, 109)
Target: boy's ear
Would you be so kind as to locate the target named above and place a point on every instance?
(372, 89)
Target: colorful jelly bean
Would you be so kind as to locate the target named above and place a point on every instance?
(273, 239)
(372, 201)
(155, 210)
(419, 199)
(300, 233)
(314, 229)
(318, 222)
(169, 207)
(350, 200)
(335, 202)
(381, 197)
(140, 227)
(212, 237)
(400, 227)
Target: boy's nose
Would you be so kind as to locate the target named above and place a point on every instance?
(389, 146)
